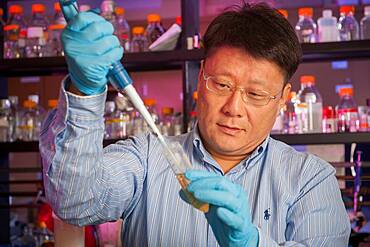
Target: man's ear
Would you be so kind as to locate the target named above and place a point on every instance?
(285, 94)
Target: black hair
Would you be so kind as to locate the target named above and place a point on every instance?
(261, 31)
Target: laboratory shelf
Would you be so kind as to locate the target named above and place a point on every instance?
(291, 139)
(144, 61)
(323, 138)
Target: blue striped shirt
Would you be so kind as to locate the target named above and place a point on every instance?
(294, 197)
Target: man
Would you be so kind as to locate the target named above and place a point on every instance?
(261, 192)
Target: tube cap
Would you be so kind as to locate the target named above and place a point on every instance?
(52, 103)
(38, 8)
(119, 11)
(57, 7)
(15, 9)
(137, 30)
(284, 12)
(305, 12)
(153, 18)
(346, 91)
(307, 80)
(346, 9)
(149, 102)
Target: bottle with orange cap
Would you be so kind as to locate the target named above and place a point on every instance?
(123, 29)
(154, 28)
(27, 121)
(289, 117)
(310, 101)
(37, 32)
(108, 12)
(347, 111)
(327, 27)
(152, 109)
(167, 121)
(2, 22)
(15, 33)
(306, 26)
(348, 25)
(54, 45)
(139, 42)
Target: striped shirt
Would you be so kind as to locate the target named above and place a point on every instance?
(294, 197)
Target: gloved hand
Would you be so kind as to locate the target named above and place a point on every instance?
(90, 48)
(229, 214)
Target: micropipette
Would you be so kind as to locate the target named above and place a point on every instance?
(122, 82)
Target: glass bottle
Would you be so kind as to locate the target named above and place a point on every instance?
(347, 24)
(290, 119)
(6, 120)
(365, 24)
(152, 109)
(54, 45)
(310, 96)
(109, 120)
(16, 111)
(123, 29)
(15, 32)
(306, 27)
(107, 11)
(329, 121)
(27, 121)
(347, 111)
(154, 28)
(37, 32)
(139, 42)
(38, 117)
(327, 27)
(167, 121)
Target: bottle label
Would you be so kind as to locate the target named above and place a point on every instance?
(35, 32)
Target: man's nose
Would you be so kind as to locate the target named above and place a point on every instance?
(235, 106)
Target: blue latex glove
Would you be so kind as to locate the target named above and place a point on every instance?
(90, 48)
(229, 214)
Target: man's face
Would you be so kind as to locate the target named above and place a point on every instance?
(228, 125)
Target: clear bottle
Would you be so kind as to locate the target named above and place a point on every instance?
(290, 119)
(39, 115)
(37, 32)
(347, 24)
(16, 111)
(154, 28)
(327, 27)
(177, 124)
(123, 29)
(6, 120)
(14, 32)
(107, 11)
(193, 113)
(54, 44)
(306, 27)
(109, 120)
(139, 42)
(27, 121)
(365, 24)
(152, 109)
(347, 111)
(167, 122)
(329, 121)
(310, 96)
(363, 118)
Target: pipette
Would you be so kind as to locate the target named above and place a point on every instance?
(122, 82)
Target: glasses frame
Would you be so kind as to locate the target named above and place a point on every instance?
(242, 90)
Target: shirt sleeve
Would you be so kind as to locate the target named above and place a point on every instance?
(84, 183)
(318, 216)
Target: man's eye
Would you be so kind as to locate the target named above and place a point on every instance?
(222, 86)
(255, 95)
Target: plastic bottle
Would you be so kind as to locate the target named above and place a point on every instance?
(362, 116)
(329, 121)
(177, 124)
(365, 24)
(193, 113)
(347, 111)
(6, 120)
(327, 27)
(15, 33)
(290, 120)
(139, 42)
(37, 32)
(347, 24)
(154, 28)
(306, 27)
(123, 29)
(54, 45)
(109, 120)
(310, 96)
(2, 22)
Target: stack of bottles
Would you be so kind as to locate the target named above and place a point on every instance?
(22, 123)
(39, 36)
(122, 120)
(329, 28)
(304, 112)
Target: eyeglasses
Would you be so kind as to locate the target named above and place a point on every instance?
(226, 88)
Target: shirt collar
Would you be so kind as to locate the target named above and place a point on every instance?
(206, 156)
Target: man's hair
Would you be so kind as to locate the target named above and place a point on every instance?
(261, 31)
